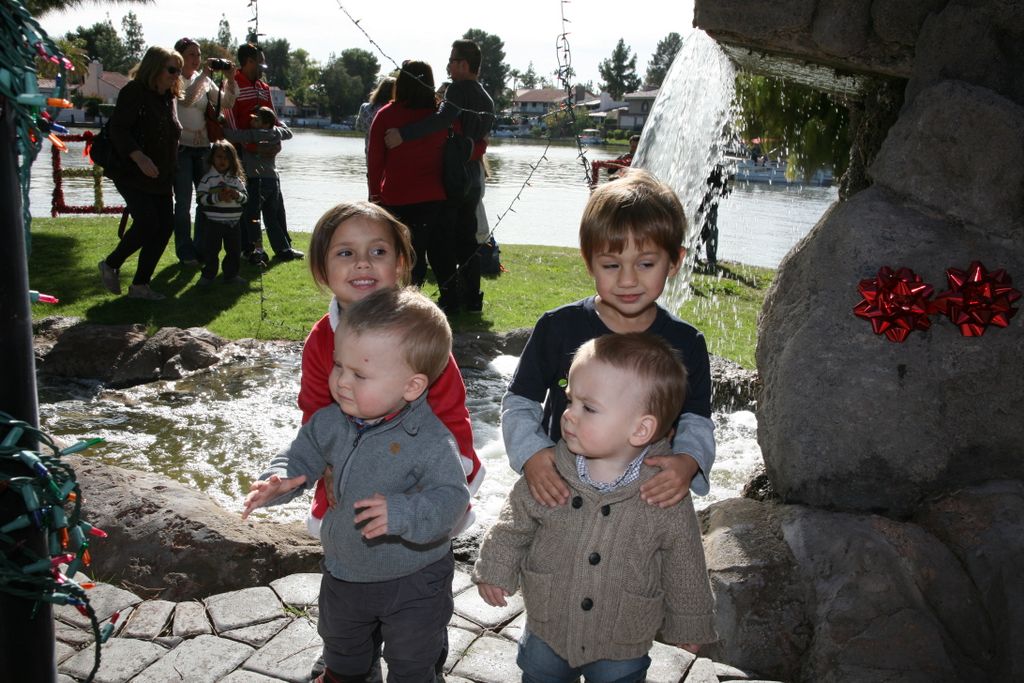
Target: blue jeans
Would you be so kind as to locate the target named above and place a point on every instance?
(191, 168)
(265, 198)
(540, 664)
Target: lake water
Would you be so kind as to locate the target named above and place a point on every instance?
(758, 224)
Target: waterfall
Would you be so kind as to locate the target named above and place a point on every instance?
(687, 131)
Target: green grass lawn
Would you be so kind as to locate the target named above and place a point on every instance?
(283, 302)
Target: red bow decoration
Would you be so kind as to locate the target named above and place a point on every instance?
(977, 299)
(896, 303)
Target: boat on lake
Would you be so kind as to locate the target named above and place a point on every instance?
(591, 136)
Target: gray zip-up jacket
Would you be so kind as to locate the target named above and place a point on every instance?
(411, 459)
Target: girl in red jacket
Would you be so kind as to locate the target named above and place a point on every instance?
(358, 248)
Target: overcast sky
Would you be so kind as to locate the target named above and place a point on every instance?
(413, 29)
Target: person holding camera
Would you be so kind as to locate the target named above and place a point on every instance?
(199, 93)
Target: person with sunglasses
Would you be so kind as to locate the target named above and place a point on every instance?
(144, 130)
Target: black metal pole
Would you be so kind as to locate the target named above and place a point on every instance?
(26, 626)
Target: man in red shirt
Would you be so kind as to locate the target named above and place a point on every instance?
(264, 193)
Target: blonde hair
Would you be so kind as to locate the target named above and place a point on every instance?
(235, 165)
(420, 327)
(152, 65)
(637, 205)
(320, 242)
(655, 365)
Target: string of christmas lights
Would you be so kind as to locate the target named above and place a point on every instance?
(53, 505)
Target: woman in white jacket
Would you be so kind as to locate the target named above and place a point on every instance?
(198, 90)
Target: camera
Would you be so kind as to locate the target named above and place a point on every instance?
(218, 64)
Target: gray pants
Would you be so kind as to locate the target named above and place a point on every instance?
(412, 613)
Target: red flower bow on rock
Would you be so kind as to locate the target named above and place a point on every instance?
(977, 299)
(896, 303)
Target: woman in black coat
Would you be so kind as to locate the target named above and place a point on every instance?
(144, 131)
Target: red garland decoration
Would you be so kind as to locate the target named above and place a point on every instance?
(895, 302)
(977, 299)
(58, 205)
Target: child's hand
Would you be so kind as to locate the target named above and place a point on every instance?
(692, 648)
(546, 485)
(492, 595)
(373, 511)
(672, 484)
(264, 491)
(329, 487)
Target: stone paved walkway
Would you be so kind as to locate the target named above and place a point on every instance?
(268, 633)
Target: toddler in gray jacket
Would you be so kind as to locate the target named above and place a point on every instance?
(399, 486)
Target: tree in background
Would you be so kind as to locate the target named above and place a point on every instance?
(806, 127)
(342, 90)
(277, 51)
(224, 37)
(493, 71)
(619, 72)
(211, 48)
(363, 65)
(134, 43)
(662, 58)
(101, 42)
(307, 90)
(74, 49)
(529, 78)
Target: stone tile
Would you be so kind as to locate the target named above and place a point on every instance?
(190, 620)
(701, 671)
(668, 664)
(242, 676)
(62, 651)
(243, 608)
(489, 659)
(62, 678)
(104, 599)
(122, 658)
(168, 642)
(75, 637)
(203, 659)
(290, 655)
(123, 617)
(461, 622)
(470, 605)
(258, 635)
(449, 678)
(514, 630)
(731, 673)
(458, 641)
(298, 590)
(461, 582)
(149, 619)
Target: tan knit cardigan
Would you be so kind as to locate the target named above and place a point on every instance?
(605, 573)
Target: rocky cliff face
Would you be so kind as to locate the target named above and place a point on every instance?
(898, 465)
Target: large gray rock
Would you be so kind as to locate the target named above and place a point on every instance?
(850, 420)
(177, 541)
(804, 594)
(984, 528)
(958, 149)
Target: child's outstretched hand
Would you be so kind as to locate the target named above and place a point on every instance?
(264, 491)
(671, 485)
(373, 511)
(492, 595)
(546, 485)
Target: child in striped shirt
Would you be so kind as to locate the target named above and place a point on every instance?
(221, 195)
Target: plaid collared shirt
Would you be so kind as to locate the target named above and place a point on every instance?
(628, 477)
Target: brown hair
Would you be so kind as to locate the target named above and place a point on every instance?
(419, 326)
(234, 165)
(320, 242)
(152, 66)
(470, 51)
(266, 116)
(636, 206)
(384, 91)
(654, 363)
(414, 86)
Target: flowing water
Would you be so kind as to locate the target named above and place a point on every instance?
(217, 429)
